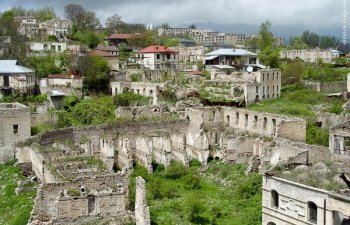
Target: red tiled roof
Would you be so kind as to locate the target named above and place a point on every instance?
(97, 52)
(157, 49)
(119, 36)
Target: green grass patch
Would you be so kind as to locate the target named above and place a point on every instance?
(183, 195)
(15, 210)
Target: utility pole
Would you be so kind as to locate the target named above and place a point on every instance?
(345, 16)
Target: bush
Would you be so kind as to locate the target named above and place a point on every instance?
(195, 163)
(175, 170)
(135, 77)
(130, 99)
(317, 136)
(192, 181)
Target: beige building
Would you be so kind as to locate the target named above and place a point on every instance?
(212, 37)
(285, 202)
(190, 54)
(27, 25)
(308, 55)
(158, 57)
(15, 78)
(56, 27)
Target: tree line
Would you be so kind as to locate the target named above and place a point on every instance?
(310, 39)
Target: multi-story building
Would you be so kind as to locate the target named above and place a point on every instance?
(27, 25)
(212, 37)
(157, 57)
(308, 55)
(56, 27)
(286, 202)
(190, 54)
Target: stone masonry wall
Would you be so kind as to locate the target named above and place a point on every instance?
(14, 127)
(142, 214)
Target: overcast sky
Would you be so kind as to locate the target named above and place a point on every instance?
(288, 17)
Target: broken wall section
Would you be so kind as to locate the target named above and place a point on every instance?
(142, 214)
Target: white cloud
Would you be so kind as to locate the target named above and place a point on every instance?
(312, 14)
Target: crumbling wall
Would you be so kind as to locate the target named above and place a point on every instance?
(142, 214)
(334, 86)
(141, 112)
(329, 120)
(161, 151)
(145, 89)
(178, 148)
(266, 123)
(284, 150)
(143, 151)
(14, 127)
(124, 151)
(106, 196)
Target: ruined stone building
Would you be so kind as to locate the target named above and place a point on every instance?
(339, 139)
(308, 55)
(309, 190)
(14, 127)
(27, 25)
(101, 198)
(287, 202)
(145, 89)
(190, 54)
(245, 87)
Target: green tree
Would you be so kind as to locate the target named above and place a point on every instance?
(114, 23)
(311, 39)
(269, 54)
(95, 70)
(266, 36)
(298, 43)
(89, 38)
(45, 13)
(142, 40)
(13, 45)
(82, 19)
(44, 65)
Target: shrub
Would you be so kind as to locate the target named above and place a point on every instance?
(175, 170)
(195, 163)
(317, 136)
(130, 99)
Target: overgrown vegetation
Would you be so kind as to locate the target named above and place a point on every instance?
(130, 99)
(181, 195)
(15, 209)
(24, 99)
(86, 112)
(298, 101)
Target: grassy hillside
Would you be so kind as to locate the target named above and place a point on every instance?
(221, 195)
(15, 210)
